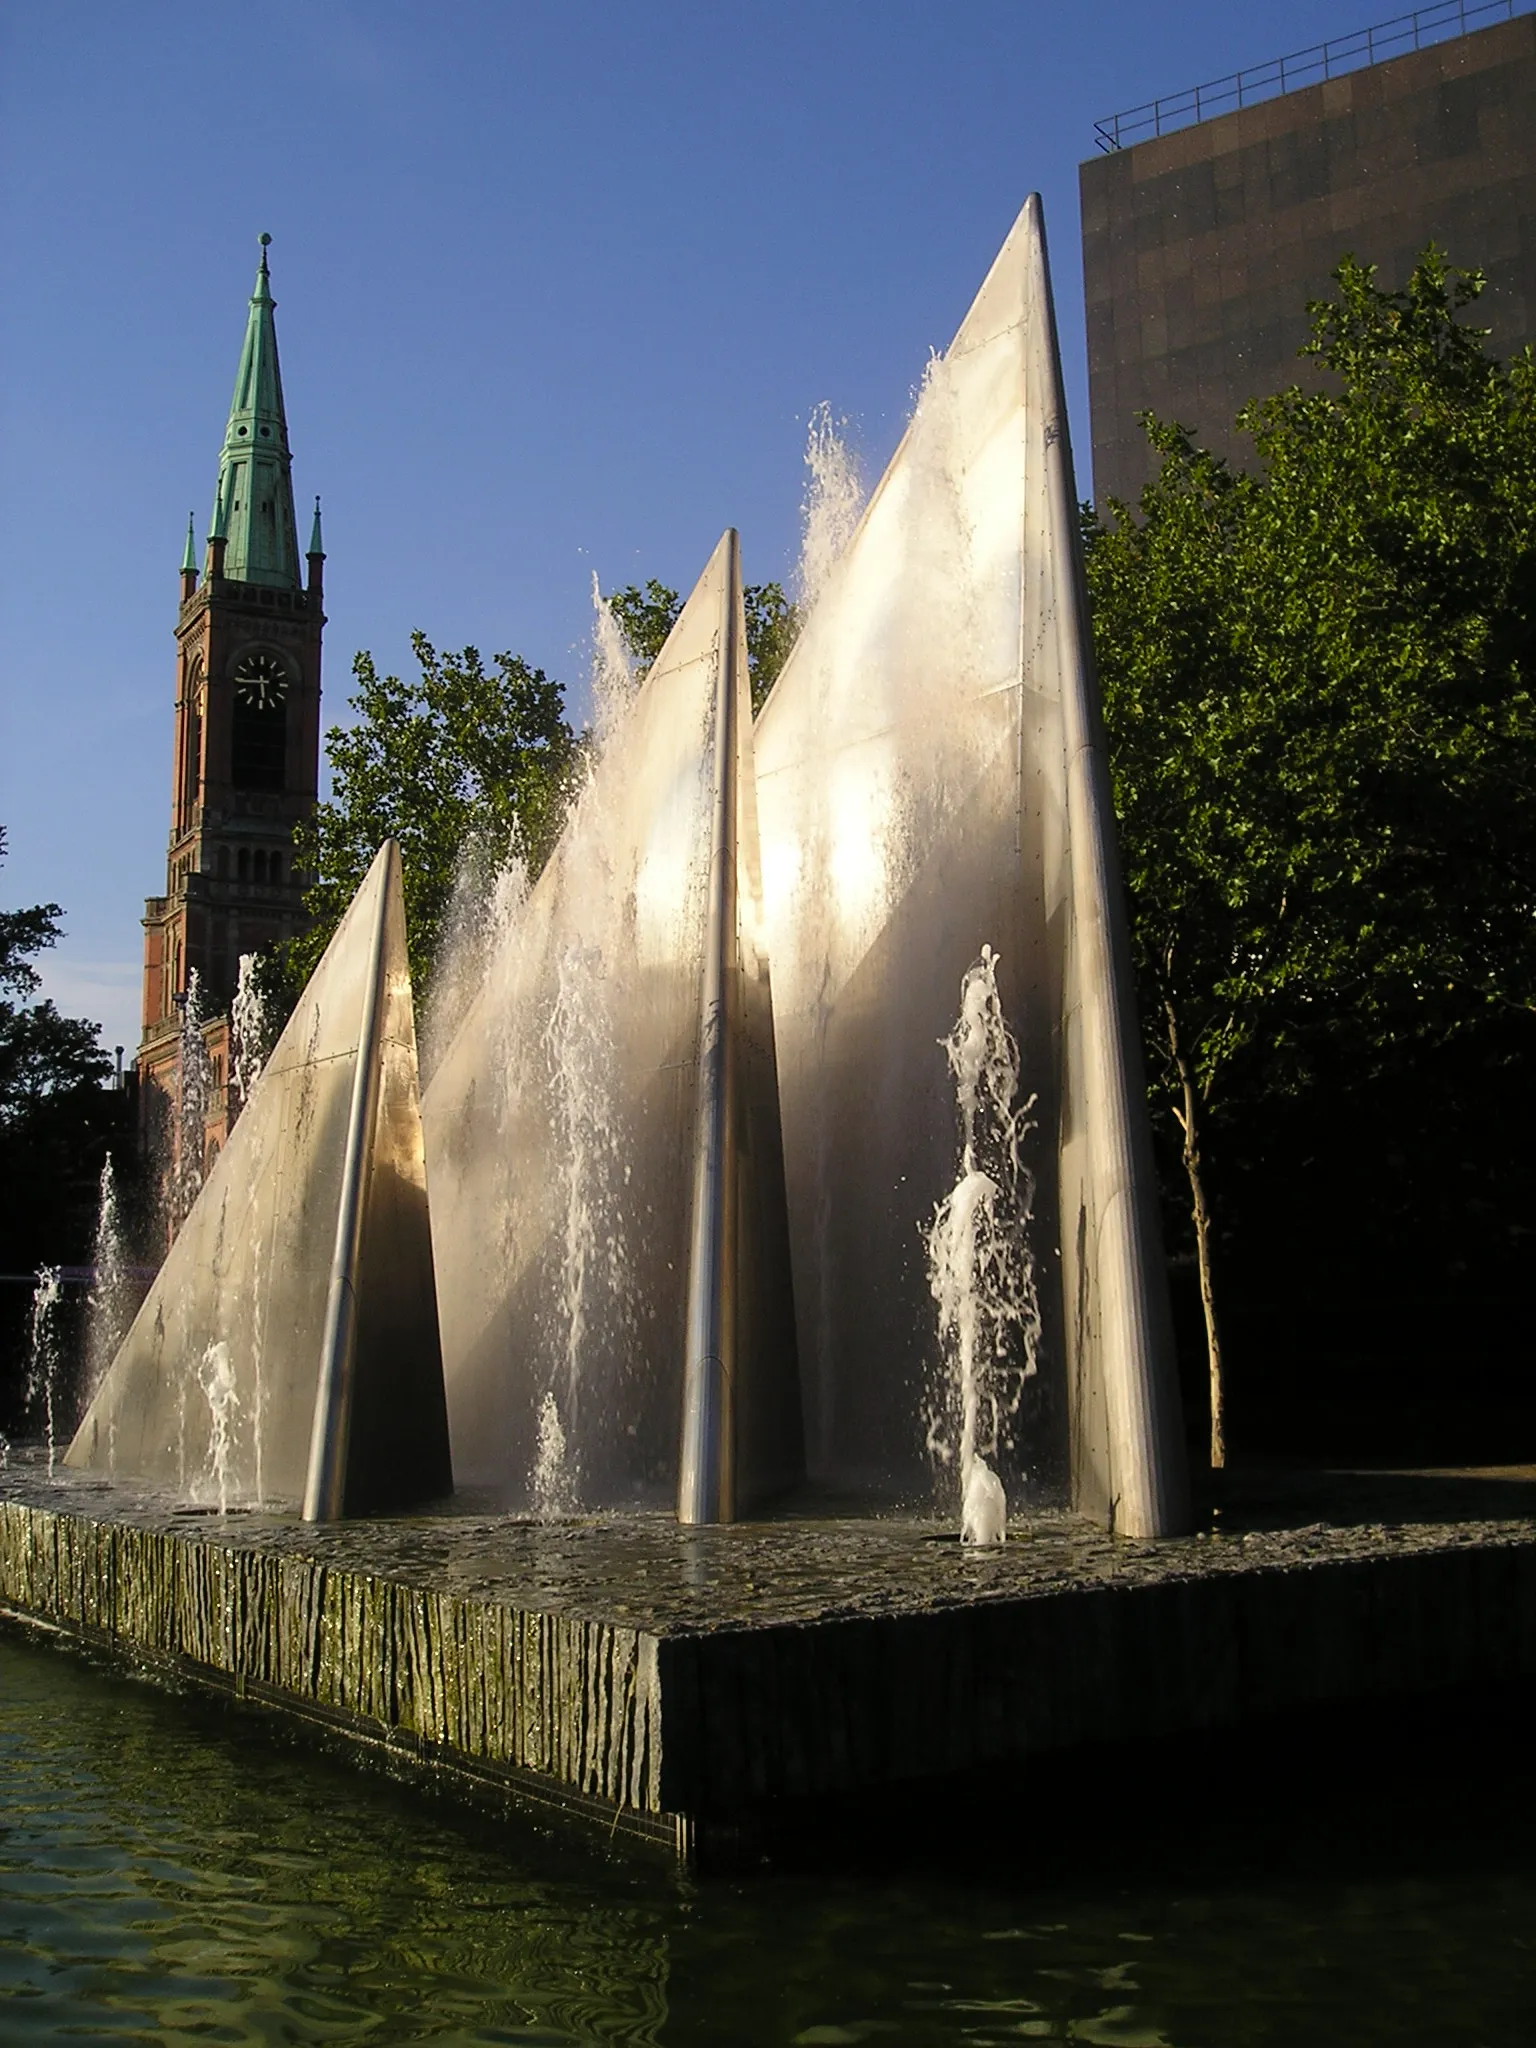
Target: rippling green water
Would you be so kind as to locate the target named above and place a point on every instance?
(169, 1873)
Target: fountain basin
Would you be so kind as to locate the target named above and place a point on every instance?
(678, 1685)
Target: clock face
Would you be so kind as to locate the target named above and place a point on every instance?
(261, 680)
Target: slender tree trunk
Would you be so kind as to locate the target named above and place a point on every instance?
(1189, 1124)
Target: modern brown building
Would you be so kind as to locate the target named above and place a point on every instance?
(1201, 247)
(245, 755)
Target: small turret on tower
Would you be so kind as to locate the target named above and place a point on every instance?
(218, 536)
(189, 560)
(315, 556)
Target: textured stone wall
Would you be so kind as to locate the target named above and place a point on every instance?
(1201, 248)
(786, 1714)
(574, 1702)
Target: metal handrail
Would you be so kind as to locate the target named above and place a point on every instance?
(1437, 23)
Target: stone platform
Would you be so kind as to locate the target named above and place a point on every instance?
(671, 1684)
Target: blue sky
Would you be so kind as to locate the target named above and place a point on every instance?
(558, 285)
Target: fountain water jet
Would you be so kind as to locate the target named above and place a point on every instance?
(249, 1030)
(216, 1377)
(44, 1353)
(487, 902)
(112, 1300)
(981, 1267)
(194, 1092)
(554, 1483)
(830, 509)
(613, 672)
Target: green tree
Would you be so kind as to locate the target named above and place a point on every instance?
(462, 757)
(43, 1055)
(773, 626)
(56, 1124)
(646, 615)
(1318, 688)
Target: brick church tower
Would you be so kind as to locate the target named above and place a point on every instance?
(245, 761)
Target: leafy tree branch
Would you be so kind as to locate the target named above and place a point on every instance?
(1318, 678)
(462, 755)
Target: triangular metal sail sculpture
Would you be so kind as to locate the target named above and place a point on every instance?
(931, 780)
(288, 1350)
(602, 1130)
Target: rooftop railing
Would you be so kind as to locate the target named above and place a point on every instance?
(1426, 25)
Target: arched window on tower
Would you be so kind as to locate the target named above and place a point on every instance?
(275, 870)
(192, 744)
(223, 863)
(259, 735)
(245, 864)
(259, 867)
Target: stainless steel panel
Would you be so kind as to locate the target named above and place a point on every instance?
(706, 1484)
(921, 769)
(563, 1123)
(212, 1392)
(331, 1425)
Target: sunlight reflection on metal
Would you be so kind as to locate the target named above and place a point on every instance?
(308, 1212)
(610, 1229)
(931, 779)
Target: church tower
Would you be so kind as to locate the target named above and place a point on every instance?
(245, 760)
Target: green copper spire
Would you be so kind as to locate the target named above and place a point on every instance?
(253, 505)
(189, 553)
(316, 544)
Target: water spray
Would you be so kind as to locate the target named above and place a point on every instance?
(980, 1268)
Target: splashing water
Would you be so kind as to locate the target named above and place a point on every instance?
(984, 1506)
(554, 1483)
(250, 1031)
(110, 1306)
(520, 1038)
(613, 671)
(196, 1092)
(578, 1044)
(483, 912)
(831, 507)
(491, 885)
(980, 1268)
(579, 1050)
(216, 1377)
(43, 1355)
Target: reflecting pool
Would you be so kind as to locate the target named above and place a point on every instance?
(174, 1873)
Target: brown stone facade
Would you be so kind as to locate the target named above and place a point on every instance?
(1201, 248)
(239, 786)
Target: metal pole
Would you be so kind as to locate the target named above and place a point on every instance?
(325, 1484)
(706, 1485)
(1148, 1485)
